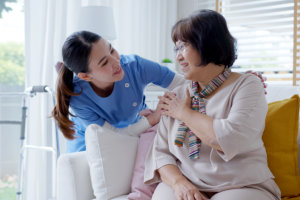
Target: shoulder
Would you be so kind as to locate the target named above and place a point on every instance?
(180, 90)
(247, 84)
(79, 84)
(84, 90)
(129, 59)
(250, 80)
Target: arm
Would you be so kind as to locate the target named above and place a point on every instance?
(136, 129)
(239, 131)
(200, 124)
(152, 72)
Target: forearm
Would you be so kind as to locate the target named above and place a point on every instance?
(133, 129)
(202, 126)
(170, 174)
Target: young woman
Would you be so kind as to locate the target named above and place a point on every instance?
(101, 87)
(209, 145)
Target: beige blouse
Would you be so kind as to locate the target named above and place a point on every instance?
(239, 112)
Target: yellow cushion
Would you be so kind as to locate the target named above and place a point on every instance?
(280, 138)
(292, 198)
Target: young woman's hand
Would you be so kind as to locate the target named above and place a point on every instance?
(261, 77)
(173, 106)
(185, 190)
(154, 116)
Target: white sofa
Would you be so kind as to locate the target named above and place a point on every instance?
(73, 176)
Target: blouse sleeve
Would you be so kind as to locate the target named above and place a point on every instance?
(159, 154)
(241, 131)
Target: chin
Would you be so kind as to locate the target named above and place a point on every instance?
(187, 76)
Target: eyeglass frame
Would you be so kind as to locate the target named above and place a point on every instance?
(181, 48)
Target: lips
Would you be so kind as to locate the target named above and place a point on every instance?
(184, 66)
(118, 71)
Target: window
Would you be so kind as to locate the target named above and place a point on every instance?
(12, 79)
(264, 30)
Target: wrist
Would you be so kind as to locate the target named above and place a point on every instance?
(185, 114)
(153, 119)
(178, 180)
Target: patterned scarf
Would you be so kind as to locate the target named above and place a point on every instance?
(199, 105)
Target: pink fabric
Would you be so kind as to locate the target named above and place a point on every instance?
(139, 190)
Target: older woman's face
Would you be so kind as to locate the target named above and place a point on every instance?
(188, 58)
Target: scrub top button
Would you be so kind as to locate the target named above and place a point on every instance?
(134, 104)
(127, 85)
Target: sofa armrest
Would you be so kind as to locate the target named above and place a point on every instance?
(73, 177)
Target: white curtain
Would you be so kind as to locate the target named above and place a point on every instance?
(143, 27)
(47, 24)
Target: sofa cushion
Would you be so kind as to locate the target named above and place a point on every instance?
(280, 138)
(139, 190)
(111, 159)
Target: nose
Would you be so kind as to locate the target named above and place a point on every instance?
(115, 61)
(179, 56)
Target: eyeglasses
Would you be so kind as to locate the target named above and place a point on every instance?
(181, 48)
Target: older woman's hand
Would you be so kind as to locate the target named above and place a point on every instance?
(185, 190)
(173, 106)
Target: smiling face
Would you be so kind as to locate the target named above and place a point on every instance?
(104, 65)
(189, 59)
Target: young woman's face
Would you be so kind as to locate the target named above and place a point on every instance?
(188, 58)
(104, 63)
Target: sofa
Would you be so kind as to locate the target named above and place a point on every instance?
(73, 173)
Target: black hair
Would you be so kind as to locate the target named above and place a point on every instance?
(207, 32)
(75, 52)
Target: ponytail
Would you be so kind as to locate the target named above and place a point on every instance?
(61, 110)
(75, 53)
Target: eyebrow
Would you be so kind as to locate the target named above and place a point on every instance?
(110, 47)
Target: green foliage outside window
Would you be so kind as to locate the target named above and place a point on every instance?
(12, 64)
(4, 7)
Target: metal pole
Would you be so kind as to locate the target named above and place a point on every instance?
(21, 156)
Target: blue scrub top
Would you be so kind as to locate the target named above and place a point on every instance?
(122, 107)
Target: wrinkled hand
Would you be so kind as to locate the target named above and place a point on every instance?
(173, 106)
(262, 78)
(185, 190)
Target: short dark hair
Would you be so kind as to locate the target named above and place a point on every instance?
(76, 50)
(207, 32)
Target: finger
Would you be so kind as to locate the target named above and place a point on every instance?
(162, 99)
(167, 95)
(190, 197)
(164, 107)
(165, 100)
(171, 95)
(198, 196)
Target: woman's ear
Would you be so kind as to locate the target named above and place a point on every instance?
(84, 76)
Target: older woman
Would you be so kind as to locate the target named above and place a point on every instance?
(209, 144)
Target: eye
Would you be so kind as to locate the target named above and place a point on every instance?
(112, 51)
(105, 63)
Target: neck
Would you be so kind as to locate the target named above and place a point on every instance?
(213, 70)
(103, 90)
